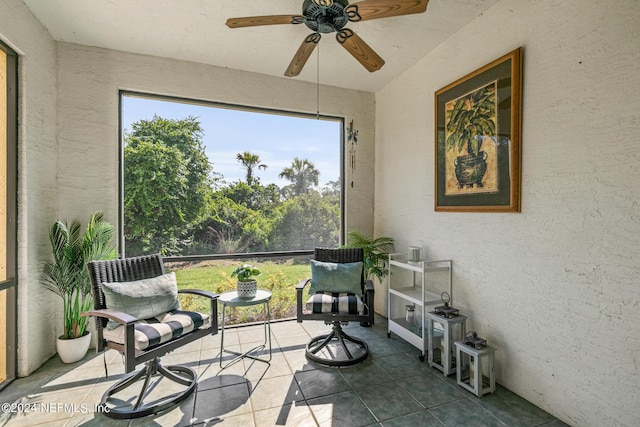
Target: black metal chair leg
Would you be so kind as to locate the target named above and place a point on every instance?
(179, 374)
(128, 380)
(147, 377)
(326, 339)
(344, 347)
(321, 342)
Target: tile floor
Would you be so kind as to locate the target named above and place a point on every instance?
(391, 388)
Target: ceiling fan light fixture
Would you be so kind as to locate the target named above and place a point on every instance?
(326, 18)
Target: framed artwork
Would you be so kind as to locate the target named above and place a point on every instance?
(477, 141)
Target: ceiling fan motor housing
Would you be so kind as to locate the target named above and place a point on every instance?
(325, 19)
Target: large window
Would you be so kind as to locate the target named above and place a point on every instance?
(201, 178)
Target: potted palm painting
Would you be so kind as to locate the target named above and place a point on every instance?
(478, 139)
(470, 120)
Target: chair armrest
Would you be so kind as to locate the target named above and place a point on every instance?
(117, 316)
(199, 292)
(213, 302)
(368, 285)
(300, 286)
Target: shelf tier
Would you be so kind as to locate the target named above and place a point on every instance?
(417, 329)
(414, 294)
(423, 266)
(397, 327)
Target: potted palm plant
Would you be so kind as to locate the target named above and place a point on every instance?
(247, 285)
(67, 276)
(375, 251)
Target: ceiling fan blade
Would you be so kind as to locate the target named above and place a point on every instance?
(254, 21)
(360, 50)
(376, 9)
(302, 55)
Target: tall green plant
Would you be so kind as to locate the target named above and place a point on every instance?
(376, 252)
(67, 274)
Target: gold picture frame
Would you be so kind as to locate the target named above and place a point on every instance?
(477, 139)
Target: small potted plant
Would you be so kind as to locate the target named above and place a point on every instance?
(247, 285)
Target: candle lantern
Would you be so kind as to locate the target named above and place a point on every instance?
(442, 332)
(473, 340)
(475, 370)
(446, 310)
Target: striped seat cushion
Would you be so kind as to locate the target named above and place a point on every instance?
(160, 329)
(340, 303)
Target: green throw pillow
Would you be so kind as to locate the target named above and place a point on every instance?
(335, 277)
(143, 299)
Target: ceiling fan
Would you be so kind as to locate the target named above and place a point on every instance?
(328, 16)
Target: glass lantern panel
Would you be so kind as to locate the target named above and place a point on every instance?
(467, 369)
(456, 333)
(485, 374)
(438, 342)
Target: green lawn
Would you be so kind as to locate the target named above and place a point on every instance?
(280, 278)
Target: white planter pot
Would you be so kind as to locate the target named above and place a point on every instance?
(72, 350)
(247, 289)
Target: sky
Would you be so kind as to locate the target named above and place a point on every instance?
(276, 138)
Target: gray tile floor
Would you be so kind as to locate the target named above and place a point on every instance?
(391, 388)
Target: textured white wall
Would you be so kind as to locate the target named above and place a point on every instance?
(37, 161)
(554, 288)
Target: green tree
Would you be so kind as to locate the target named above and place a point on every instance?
(303, 174)
(250, 161)
(331, 192)
(167, 184)
(234, 228)
(306, 221)
(255, 196)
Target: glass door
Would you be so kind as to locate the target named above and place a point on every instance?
(8, 196)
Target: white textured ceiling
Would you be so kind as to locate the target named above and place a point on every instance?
(195, 30)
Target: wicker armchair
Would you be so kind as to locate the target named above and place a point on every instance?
(145, 340)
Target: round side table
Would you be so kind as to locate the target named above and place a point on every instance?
(231, 299)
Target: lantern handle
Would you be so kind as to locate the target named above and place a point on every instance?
(446, 298)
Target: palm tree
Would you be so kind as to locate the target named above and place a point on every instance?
(302, 173)
(471, 119)
(250, 161)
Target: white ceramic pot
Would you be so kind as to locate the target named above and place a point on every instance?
(247, 289)
(72, 350)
